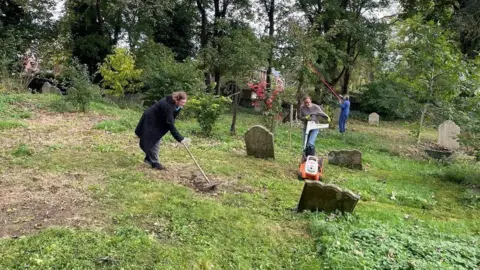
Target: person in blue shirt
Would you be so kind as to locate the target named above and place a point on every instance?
(345, 111)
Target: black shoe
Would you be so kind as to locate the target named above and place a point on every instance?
(147, 161)
(158, 166)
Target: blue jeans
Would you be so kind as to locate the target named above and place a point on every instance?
(311, 137)
(342, 122)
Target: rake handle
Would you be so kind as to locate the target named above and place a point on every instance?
(204, 175)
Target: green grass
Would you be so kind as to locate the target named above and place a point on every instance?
(10, 125)
(413, 212)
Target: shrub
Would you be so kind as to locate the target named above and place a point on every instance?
(80, 91)
(207, 108)
(119, 73)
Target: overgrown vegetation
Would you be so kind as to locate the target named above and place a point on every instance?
(413, 212)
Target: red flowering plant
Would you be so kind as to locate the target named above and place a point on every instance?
(269, 100)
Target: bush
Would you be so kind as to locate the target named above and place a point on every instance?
(163, 75)
(391, 99)
(119, 73)
(207, 108)
(463, 174)
(80, 91)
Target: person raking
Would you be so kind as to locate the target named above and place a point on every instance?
(155, 122)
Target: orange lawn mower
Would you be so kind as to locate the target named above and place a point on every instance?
(311, 166)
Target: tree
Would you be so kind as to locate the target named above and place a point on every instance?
(426, 58)
(347, 34)
(163, 75)
(23, 25)
(178, 29)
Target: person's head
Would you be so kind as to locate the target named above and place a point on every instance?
(180, 98)
(346, 97)
(307, 101)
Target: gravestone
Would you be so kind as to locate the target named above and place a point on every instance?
(346, 158)
(318, 196)
(374, 119)
(46, 88)
(336, 117)
(259, 142)
(447, 135)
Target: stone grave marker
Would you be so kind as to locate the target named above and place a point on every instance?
(374, 119)
(318, 196)
(346, 158)
(447, 135)
(259, 142)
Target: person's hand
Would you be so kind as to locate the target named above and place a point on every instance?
(186, 141)
(328, 119)
(308, 117)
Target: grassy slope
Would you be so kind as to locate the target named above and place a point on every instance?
(150, 220)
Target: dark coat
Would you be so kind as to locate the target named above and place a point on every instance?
(156, 121)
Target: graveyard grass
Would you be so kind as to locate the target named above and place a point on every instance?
(75, 195)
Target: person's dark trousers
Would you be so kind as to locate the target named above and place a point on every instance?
(151, 154)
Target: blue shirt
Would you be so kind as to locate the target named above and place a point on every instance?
(345, 106)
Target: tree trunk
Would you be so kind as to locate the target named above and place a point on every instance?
(204, 37)
(99, 16)
(346, 80)
(270, 9)
(236, 101)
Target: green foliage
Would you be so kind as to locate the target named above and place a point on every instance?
(10, 124)
(426, 58)
(81, 92)
(462, 174)
(119, 73)
(22, 151)
(390, 99)
(207, 109)
(354, 242)
(241, 53)
(163, 75)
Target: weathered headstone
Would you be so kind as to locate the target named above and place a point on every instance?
(447, 135)
(46, 88)
(259, 142)
(346, 158)
(56, 90)
(318, 196)
(336, 117)
(374, 119)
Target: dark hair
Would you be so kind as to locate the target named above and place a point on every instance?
(306, 97)
(177, 96)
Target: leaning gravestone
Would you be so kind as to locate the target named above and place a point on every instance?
(317, 196)
(346, 158)
(447, 135)
(259, 142)
(374, 119)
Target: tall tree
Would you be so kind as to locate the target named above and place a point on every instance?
(425, 57)
(95, 27)
(176, 30)
(346, 31)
